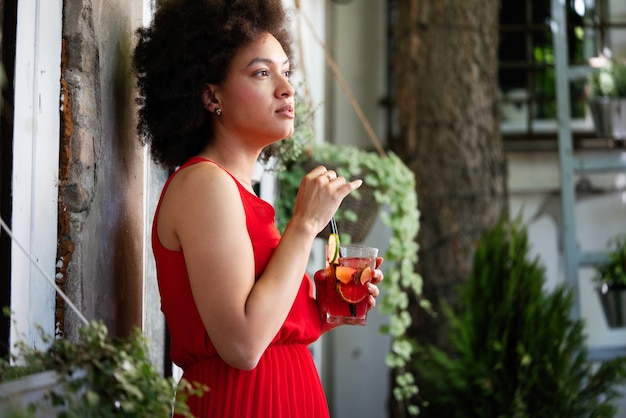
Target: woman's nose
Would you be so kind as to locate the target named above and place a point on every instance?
(285, 89)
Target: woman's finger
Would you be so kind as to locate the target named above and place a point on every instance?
(373, 289)
(371, 303)
(379, 261)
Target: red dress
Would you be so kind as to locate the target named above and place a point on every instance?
(285, 383)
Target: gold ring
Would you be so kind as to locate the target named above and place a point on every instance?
(329, 177)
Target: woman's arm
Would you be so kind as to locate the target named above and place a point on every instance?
(242, 315)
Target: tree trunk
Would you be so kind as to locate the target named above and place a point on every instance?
(446, 83)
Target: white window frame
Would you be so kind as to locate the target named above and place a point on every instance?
(35, 167)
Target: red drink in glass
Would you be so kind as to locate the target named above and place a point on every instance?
(343, 295)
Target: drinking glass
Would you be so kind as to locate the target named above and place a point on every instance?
(342, 292)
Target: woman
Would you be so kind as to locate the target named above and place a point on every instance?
(214, 83)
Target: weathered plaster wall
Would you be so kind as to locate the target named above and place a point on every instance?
(102, 196)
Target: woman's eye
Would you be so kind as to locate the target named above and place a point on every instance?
(287, 73)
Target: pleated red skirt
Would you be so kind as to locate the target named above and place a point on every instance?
(285, 384)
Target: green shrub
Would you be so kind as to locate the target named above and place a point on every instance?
(516, 351)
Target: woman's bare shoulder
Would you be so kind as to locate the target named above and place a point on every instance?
(198, 196)
(205, 175)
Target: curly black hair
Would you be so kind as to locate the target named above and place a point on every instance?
(191, 43)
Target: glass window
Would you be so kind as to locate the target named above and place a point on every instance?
(528, 102)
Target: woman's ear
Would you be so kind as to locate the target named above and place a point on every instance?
(209, 100)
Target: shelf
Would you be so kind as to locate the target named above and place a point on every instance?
(606, 353)
(592, 258)
(600, 162)
(578, 72)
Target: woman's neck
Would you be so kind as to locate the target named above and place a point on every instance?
(238, 163)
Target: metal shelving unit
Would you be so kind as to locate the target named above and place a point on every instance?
(573, 163)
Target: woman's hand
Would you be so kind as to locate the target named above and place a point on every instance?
(320, 193)
(372, 286)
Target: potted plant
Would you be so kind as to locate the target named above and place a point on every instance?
(611, 279)
(607, 99)
(97, 376)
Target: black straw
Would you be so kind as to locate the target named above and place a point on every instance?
(333, 226)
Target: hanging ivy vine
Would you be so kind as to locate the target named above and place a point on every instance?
(394, 190)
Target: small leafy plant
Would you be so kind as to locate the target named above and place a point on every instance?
(613, 273)
(608, 81)
(103, 377)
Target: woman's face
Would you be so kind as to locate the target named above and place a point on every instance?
(257, 98)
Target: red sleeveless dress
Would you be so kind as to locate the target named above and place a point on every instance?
(285, 383)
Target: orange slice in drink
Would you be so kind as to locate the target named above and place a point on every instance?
(366, 275)
(345, 274)
(352, 292)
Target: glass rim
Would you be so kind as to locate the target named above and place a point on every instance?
(361, 248)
